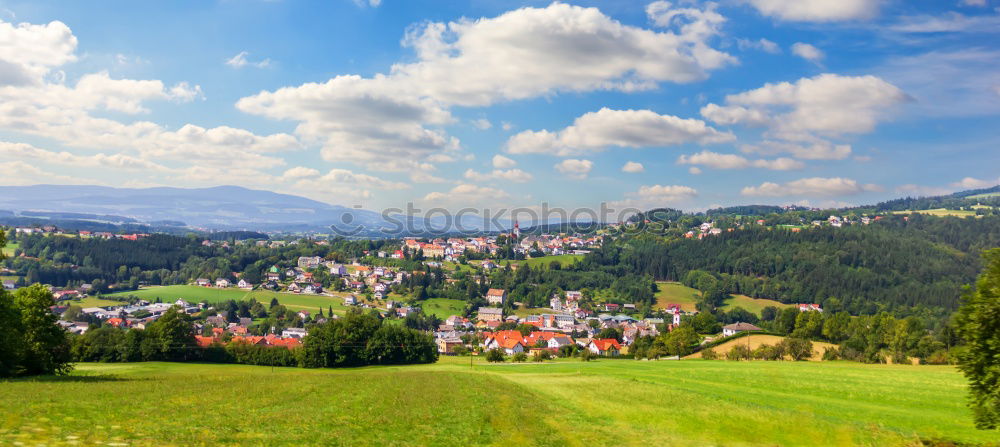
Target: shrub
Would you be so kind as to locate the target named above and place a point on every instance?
(495, 356)
(520, 357)
(587, 355)
(709, 354)
(738, 352)
(830, 353)
(798, 348)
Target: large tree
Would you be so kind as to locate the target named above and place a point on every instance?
(978, 322)
(46, 348)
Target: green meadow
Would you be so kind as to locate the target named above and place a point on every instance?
(196, 294)
(568, 402)
(9, 249)
(442, 307)
(564, 260)
(940, 212)
(677, 293)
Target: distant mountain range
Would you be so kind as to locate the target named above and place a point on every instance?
(217, 208)
(227, 208)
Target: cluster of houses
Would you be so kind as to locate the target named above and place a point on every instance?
(450, 249)
(55, 231)
(120, 316)
(555, 329)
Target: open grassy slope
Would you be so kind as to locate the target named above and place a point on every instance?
(761, 339)
(677, 293)
(564, 260)
(940, 212)
(9, 249)
(606, 402)
(196, 294)
(443, 307)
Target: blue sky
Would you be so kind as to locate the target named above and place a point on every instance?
(489, 103)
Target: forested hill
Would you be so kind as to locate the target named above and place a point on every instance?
(913, 264)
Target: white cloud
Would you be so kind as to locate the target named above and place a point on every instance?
(828, 103)
(694, 170)
(41, 156)
(732, 161)
(482, 124)
(573, 168)
(299, 172)
(811, 149)
(808, 52)
(524, 53)
(974, 183)
(368, 3)
(19, 173)
(510, 175)
(501, 162)
(506, 126)
(655, 196)
(633, 167)
(817, 10)
(948, 22)
(341, 182)
(465, 195)
(358, 119)
(815, 186)
(761, 44)
(595, 131)
(973, 74)
(28, 52)
(240, 61)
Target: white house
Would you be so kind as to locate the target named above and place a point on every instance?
(736, 328)
(244, 284)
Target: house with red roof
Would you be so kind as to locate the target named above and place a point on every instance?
(605, 346)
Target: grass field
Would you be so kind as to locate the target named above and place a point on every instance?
(9, 249)
(940, 212)
(677, 293)
(196, 294)
(443, 307)
(564, 260)
(754, 305)
(756, 340)
(91, 301)
(565, 403)
(984, 195)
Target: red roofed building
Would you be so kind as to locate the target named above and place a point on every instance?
(204, 342)
(605, 346)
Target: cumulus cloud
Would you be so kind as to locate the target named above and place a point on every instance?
(510, 175)
(357, 119)
(828, 104)
(817, 10)
(48, 106)
(655, 196)
(482, 124)
(524, 53)
(632, 167)
(342, 182)
(815, 186)
(467, 194)
(732, 161)
(31, 153)
(799, 117)
(240, 61)
(28, 51)
(595, 131)
(501, 162)
(808, 52)
(948, 22)
(19, 173)
(974, 183)
(573, 168)
(810, 149)
(761, 44)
